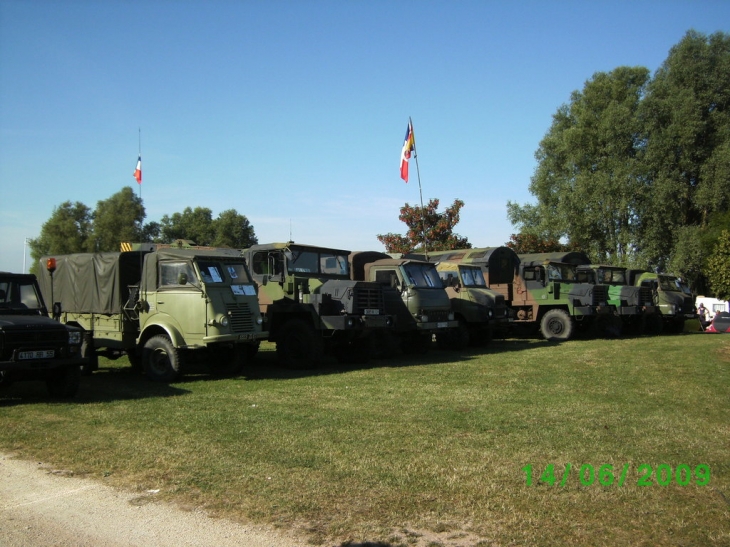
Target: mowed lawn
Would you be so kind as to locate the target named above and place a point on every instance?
(420, 451)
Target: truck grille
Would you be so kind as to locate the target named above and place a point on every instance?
(240, 317)
(369, 298)
(437, 315)
(645, 297)
(600, 294)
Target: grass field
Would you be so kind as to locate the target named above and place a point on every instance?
(428, 451)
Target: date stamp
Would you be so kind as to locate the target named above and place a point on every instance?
(607, 475)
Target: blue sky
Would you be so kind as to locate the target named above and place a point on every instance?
(294, 112)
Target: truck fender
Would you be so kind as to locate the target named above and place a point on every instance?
(154, 328)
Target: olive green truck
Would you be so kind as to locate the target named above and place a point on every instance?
(163, 309)
(414, 293)
(312, 308)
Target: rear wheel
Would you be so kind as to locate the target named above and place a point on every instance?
(63, 383)
(228, 361)
(298, 345)
(162, 361)
(653, 324)
(556, 325)
(88, 351)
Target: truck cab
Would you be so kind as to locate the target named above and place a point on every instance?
(312, 307)
(414, 293)
(672, 297)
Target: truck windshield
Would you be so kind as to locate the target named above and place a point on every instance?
(612, 276)
(215, 272)
(177, 274)
(19, 294)
(670, 283)
(557, 271)
(422, 275)
(327, 263)
(472, 277)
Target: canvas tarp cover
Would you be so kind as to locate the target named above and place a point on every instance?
(91, 282)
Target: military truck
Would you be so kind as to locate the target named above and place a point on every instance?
(165, 309)
(479, 310)
(310, 305)
(633, 305)
(32, 345)
(414, 293)
(539, 290)
(672, 297)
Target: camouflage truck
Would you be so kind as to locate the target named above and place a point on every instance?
(539, 290)
(32, 345)
(633, 305)
(414, 293)
(672, 297)
(479, 310)
(310, 305)
(165, 309)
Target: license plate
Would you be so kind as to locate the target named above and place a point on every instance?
(442, 325)
(40, 354)
(372, 312)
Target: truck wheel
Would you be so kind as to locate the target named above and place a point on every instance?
(88, 351)
(457, 338)
(5, 380)
(63, 383)
(607, 326)
(653, 324)
(556, 325)
(415, 343)
(228, 361)
(354, 351)
(162, 362)
(298, 345)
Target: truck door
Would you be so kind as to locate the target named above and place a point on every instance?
(180, 298)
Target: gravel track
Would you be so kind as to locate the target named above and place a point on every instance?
(42, 506)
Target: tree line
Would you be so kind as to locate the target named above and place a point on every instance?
(635, 169)
(76, 228)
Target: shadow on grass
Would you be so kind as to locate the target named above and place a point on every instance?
(266, 367)
(104, 385)
(115, 383)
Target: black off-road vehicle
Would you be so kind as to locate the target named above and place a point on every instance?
(32, 345)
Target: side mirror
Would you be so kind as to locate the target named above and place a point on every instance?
(57, 311)
(182, 278)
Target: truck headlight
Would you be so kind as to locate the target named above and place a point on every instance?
(424, 318)
(451, 316)
(259, 320)
(224, 321)
(74, 338)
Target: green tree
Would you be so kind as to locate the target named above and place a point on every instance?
(232, 229)
(116, 220)
(438, 227)
(67, 231)
(192, 224)
(718, 267)
(589, 173)
(525, 243)
(687, 153)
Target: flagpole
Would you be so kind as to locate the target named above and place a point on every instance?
(140, 155)
(420, 191)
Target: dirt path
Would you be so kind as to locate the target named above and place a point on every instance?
(41, 506)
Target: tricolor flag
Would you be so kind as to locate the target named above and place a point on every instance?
(138, 172)
(405, 154)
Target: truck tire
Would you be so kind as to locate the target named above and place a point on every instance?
(88, 351)
(162, 361)
(63, 383)
(228, 362)
(298, 345)
(556, 325)
(653, 324)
